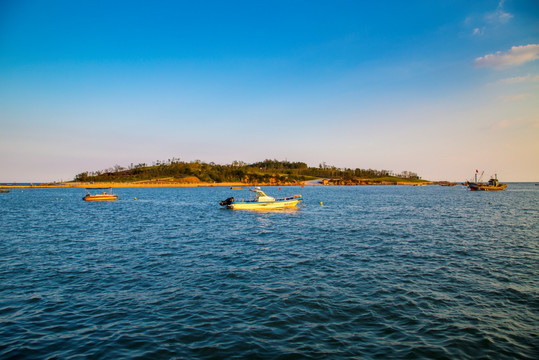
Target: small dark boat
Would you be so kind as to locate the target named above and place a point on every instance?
(4, 191)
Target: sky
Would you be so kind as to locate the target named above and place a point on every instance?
(439, 88)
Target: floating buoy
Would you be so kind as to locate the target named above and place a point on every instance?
(321, 203)
(135, 198)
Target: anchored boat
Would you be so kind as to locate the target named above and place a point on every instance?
(261, 201)
(105, 196)
(492, 185)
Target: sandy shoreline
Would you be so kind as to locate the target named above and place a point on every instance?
(159, 184)
(120, 185)
(135, 185)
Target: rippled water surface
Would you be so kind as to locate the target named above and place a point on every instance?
(374, 272)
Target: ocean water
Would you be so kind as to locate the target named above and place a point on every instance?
(371, 273)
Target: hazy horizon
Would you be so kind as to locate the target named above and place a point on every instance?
(437, 88)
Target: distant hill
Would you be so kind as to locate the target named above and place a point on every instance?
(264, 172)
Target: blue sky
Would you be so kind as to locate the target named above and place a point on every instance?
(441, 88)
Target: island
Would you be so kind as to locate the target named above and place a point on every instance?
(176, 173)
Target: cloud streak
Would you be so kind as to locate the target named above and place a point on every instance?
(517, 97)
(489, 20)
(500, 15)
(479, 31)
(523, 124)
(519, 79)
(518, 55)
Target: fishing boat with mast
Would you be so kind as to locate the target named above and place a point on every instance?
(261, 201)
(492, 185)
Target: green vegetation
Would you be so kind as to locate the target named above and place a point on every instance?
(264, 172)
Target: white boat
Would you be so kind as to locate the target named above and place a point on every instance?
(261, 201)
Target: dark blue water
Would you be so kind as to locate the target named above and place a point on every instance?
(376, 272)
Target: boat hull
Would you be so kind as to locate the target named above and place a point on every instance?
(264, 205)
(100, 198)
(483, 187)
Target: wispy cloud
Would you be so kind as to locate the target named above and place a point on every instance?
(523, 124)
(487, 21)
(503, 124)
(517, 97)
(500, 15)
(518, 55)
(478, 31)
(518, 79)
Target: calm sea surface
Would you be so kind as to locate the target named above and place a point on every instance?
(374, 273)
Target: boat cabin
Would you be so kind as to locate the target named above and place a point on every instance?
(261, 196)
(493, 182)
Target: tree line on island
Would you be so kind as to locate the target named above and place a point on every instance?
(263, 172)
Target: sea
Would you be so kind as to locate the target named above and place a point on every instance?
(358, 272)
